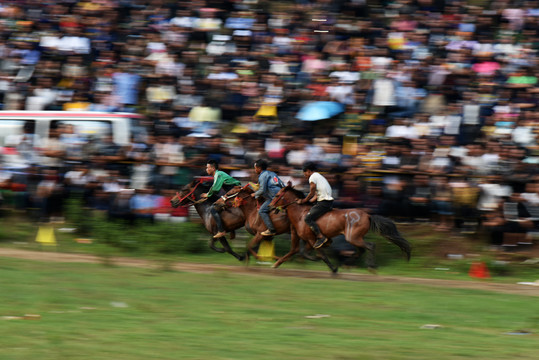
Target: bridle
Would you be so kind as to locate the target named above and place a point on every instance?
(281, 207)
(191, 195)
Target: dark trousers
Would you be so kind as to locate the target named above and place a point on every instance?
(214, 210)
(217, 217)
(264, 215)
(318, 209)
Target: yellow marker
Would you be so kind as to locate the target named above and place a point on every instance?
(266, 250)
(45, 235)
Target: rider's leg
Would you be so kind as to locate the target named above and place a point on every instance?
(217, 217)
(264, 215)
(318, 209)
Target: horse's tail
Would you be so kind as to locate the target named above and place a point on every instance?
(386, 227)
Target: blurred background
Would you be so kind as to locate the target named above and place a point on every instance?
(423, 111)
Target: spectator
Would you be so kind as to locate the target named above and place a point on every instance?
(126, 84)
(453, 99)
(143, 204)
(49, 196)
(443, 203)
(420, 196)
(508, 224)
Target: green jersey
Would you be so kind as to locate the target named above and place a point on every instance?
(219, 179)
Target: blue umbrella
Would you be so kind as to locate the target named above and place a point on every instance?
(319, 110)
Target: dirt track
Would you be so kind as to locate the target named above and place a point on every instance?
(252, 270)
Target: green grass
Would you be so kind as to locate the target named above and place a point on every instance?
(169, 243)
(99, 312)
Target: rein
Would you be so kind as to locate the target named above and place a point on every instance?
(282, 207)
(239, 199)
(190, 196)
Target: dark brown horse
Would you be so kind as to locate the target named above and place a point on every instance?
(232, 218)
(352, 223)
(240, 197)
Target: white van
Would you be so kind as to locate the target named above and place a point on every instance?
(85, 123)
(15, 126)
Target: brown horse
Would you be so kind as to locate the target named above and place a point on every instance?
(241, 198)
(352, 223)
(232, 218)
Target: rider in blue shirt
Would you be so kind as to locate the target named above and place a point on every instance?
(270, 184)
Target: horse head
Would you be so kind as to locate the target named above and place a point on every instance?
(285, 197)
(189, 193)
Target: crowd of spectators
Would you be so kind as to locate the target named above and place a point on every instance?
(441, 105)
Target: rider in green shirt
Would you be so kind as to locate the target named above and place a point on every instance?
(221, 180)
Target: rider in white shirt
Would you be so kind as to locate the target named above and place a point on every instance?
(320, 187)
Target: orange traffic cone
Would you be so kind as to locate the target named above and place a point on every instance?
(479, 270)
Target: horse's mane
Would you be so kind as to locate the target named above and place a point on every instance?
(205, 183)
(237, 189)
(296, 192)
(250, 187)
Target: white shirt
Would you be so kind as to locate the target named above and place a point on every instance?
(323, 189)
(183, 21)
(492, 195)
(76, 44)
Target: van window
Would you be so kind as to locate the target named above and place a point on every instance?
(11, 131)
(85, 128)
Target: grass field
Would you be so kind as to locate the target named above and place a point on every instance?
(91, 311)
(173, 243)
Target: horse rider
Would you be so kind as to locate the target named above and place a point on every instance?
(221, 180)
(270, 184)
(319, 186)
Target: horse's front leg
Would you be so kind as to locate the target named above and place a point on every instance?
(310, 238)
(215, 248)
(229, 250)
(325, 258)
(305, 252)
(294, 248)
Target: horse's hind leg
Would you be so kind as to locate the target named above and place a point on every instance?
(229, 250)
(370, 259)
(252, 244)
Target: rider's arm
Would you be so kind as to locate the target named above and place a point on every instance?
(263, 184)
(312, 192)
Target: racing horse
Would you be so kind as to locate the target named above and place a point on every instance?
(352, 223)
(240, 197)
(232, 218)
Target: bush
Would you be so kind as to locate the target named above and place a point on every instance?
(160, 238)
(167, 238)
(80, 216)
